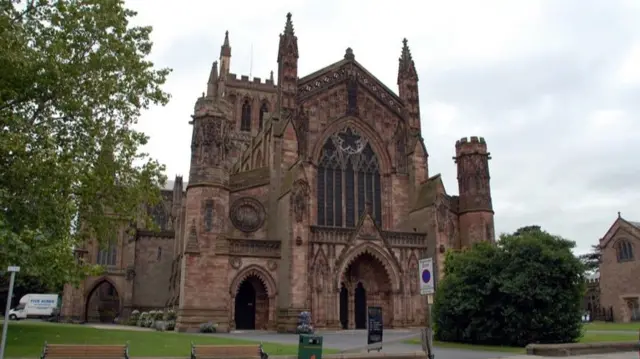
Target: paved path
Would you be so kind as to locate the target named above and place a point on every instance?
(630, 355)
(352, 339)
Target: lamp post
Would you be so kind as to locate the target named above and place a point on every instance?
(5, 325)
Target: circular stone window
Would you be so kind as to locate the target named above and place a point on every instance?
(247, 214)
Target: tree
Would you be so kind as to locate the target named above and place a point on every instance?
(591, 260)
(527, 288)
(74, 80)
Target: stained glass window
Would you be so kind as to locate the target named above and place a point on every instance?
(245, 121)
(348, 179)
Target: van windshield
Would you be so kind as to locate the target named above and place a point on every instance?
(19, 306)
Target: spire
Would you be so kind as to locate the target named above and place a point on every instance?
(406, 67)
(213, 79)
(288, 40)
(225, 49)
(288, 27)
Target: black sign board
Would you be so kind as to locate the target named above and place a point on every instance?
(375, 327)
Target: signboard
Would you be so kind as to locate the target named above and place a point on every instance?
(374, 328)
(425, 269)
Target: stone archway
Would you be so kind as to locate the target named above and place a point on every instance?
(366, 283)
(103, 302)
(253, 292)
(251, 305)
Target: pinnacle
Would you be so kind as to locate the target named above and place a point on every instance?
(288, 28)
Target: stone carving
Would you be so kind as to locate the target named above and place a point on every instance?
(401, 154)
(235, 262)
(131, 273)
(443, 216)
(247, 214)
(299, 199)
(301, 125)
(272, 265)
(323, 82)
(212, 142)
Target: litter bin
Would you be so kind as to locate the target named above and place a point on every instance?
(310, 347)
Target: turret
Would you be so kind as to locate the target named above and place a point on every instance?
(475, 205)
(408, 86)
(212, 84)
(287, 68)
(225, 65)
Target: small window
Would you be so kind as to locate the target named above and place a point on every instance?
(208, 216)
(624, 250)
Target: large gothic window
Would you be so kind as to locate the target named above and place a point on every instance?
(107, 256)
(348, 178)
(245, 120)
(264, 109)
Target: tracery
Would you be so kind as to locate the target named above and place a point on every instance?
(348, 178)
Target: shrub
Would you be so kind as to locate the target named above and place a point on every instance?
(526, 289)
(170, 325)
(208, 327)
(133, 318)
(170, 314)
(142, 319)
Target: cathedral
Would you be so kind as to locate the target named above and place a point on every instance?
(312, 193)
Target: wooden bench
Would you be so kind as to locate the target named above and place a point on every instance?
(228, 351)
(85, 351)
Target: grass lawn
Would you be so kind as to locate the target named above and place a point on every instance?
(613, 326)
(25, 339)
(587, 338)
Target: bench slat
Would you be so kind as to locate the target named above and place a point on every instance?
(84, 351)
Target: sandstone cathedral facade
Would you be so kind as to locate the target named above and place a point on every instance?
(309, 194)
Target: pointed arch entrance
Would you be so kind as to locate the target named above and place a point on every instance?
(103, 302)
(366, 282)
(253, 292)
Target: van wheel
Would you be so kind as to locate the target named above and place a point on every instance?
(13, 317)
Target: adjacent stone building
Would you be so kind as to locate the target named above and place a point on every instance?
(312, 194)
(619, 270)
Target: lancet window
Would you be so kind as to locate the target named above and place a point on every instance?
(245, 120)
(348, 179)
(264, 109)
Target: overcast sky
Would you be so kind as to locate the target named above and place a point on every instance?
(553, 86)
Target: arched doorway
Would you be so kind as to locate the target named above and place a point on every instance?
(103, 303)
(251, 305)
(360, 306)
(366, 283)
(344, 306)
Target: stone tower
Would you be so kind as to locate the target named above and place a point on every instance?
(475, 207)
(204, 275)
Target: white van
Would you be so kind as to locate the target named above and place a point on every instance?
(34, 305)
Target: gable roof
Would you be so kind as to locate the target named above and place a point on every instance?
(631, 227)
(341, 71)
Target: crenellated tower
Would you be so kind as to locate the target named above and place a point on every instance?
(475, 205)
(287, 68)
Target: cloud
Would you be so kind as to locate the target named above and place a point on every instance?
(552, 85)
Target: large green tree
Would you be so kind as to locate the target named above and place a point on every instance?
(592, 258)
(527, 288)
(74, 78)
